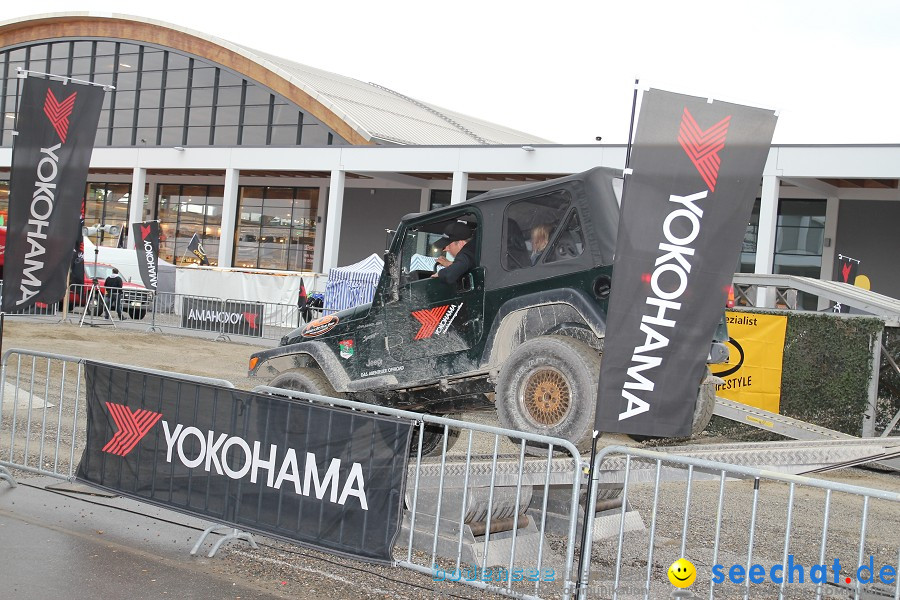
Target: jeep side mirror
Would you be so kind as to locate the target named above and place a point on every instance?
(393, 277)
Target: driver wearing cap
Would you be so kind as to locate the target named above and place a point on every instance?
(456, 240)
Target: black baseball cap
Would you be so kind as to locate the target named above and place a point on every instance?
(454, 232)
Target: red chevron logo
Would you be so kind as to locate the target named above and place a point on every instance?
(58, 113)
(132, 427)
(145, 231)
(845, 271)
(430, 318)
(703, 147)
(251, 319)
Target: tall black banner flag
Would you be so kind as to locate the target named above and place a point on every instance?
(57, 124)
(697, 167)
(846, 273)
(146, 244)
(322, 476)
(196, 247)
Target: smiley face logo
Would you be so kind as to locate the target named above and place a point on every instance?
(682, 573)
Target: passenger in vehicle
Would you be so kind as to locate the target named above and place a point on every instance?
(540, 235)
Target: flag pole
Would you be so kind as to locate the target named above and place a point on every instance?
(585, 553)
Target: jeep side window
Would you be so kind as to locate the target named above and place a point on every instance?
(530, 226)
(569, 242)
(418, 255)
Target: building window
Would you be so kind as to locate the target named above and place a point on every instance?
(276, 228)
(107, 204)
(185, 211)
(164, 98)
(799, 238)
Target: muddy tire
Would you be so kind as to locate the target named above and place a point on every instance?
(304, 379)
(548, 387)
(703, 410)
(433, 440)
(706, 403)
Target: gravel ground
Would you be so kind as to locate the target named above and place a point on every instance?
(293, 571)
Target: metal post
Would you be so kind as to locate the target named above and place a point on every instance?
(868, 424)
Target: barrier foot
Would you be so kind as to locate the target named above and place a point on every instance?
(153, 328)
(5, 475)
(223, 338)
(236, 534)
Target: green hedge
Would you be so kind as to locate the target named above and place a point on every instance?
(825, 373)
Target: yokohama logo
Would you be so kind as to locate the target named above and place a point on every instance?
(703, 147)
(145, 231)
(58, 113)
(132, 427)
(251, 319)
(435, 320)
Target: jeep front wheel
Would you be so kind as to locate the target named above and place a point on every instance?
(547, 387)
(310, 381)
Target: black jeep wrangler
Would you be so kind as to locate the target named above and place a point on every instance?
(522, 332)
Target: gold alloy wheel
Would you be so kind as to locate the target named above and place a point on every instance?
(546, 396)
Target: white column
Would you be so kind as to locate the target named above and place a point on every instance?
(319, 244)
(136, 208)
(765, 238)
(425, 200)
(229, 212)
(826, 273)
(333, 225)
(460, 187)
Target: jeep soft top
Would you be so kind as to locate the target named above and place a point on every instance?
(523, 331)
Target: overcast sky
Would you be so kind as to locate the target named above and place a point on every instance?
(564, 70)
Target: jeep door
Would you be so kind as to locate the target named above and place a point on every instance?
(430, 318)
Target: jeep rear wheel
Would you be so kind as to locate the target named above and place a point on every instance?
(547, 387)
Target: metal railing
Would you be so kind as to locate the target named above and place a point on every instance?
(484, 505)
(42, 411)
(748, 533)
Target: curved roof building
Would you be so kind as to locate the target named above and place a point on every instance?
(177, 86)
(282, 167)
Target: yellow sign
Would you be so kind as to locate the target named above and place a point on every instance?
(753, 372)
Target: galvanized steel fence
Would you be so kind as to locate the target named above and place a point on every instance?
(501, 510)
(749, 533)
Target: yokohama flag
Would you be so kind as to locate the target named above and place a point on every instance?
(146, 244)
(697, 167)
(57, 124)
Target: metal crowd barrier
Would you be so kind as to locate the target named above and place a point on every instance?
(749, 533)
(481, 508)
(42, 415)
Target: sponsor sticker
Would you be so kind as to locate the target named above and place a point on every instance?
(320, 326)
(346, 347)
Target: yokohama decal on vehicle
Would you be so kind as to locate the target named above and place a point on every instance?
(56, 127)
(435, 321)
(696, 171)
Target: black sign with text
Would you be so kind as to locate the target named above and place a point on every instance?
(56, 125)
(230, 317)
(325, 477)
(697, 167)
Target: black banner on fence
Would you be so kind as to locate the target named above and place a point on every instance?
(324, 477)
(57, 124)
(231, 317)
(697, 168)
(146, 244)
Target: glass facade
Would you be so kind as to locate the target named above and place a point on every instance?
(107, 204)
(185, 210)
(163, 97)
(799, 239)
(276, 228)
